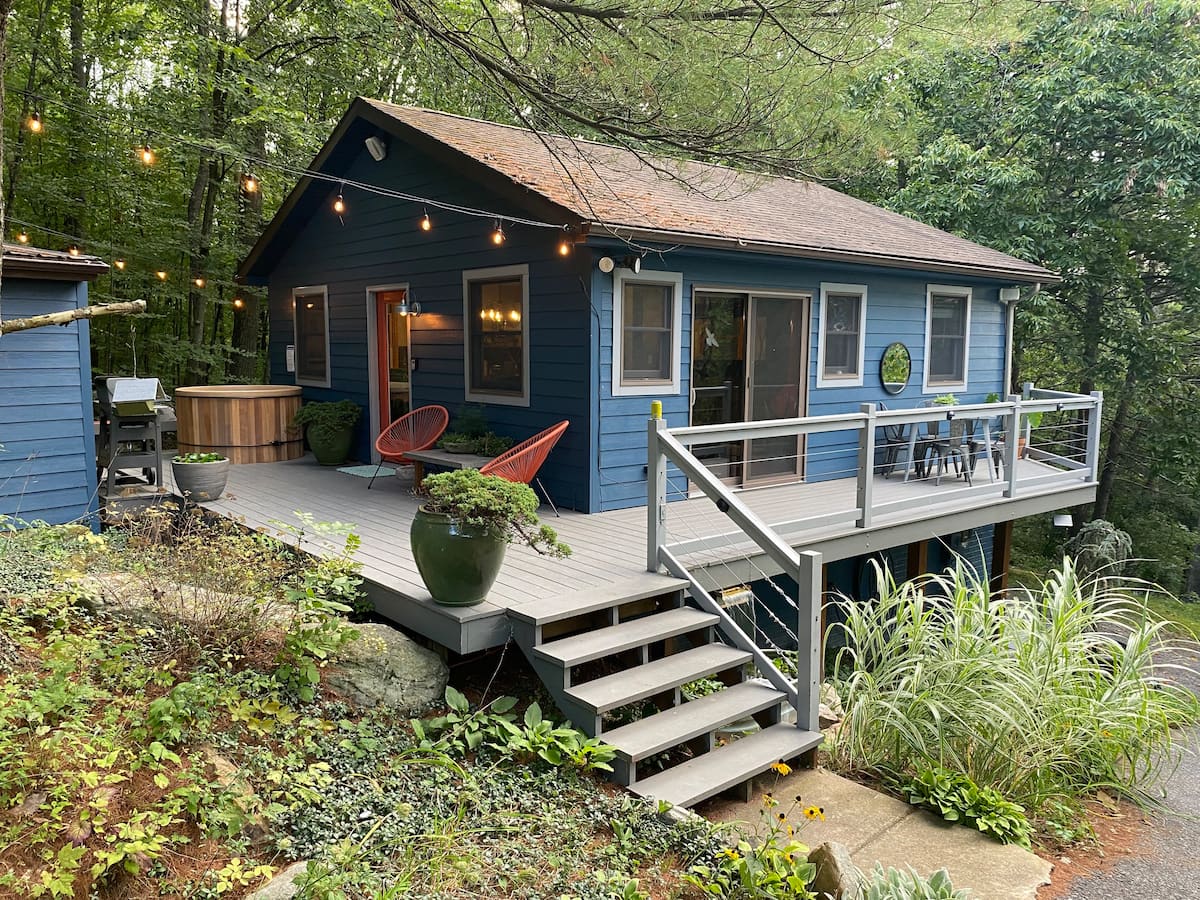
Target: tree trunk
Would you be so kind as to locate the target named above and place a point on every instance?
(1090, 335)
(1115, 449)
(244, 362)
(73, 222)
(5, 10)
(14, 166)
(66, 317)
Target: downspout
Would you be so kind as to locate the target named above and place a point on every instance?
(1011, 318)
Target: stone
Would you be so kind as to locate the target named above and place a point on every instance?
(283, 886)
(385, 667)
(831, 701)
(837, 877)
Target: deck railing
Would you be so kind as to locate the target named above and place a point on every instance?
(1057, 430)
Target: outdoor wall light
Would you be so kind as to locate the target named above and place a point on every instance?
(1063, 520)
(606, 264)
(376, 147)
(633, 263)
(408, 309)
(1010, 294)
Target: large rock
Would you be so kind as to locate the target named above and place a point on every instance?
(837, 876)
(283, 886)
(387, 668)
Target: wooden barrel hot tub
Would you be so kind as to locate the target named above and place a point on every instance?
(249, 423)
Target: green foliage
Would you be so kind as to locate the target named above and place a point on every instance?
(1099, 548)
(956, 798)
(945, 400)
(198, 458)
(486, 444)
(493, 504)
(896, 884)
(327, 419)
(1043, 697)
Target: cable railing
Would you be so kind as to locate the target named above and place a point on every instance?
(877, 466)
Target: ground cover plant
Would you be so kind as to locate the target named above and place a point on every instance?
(1038, 700)
(164, 732)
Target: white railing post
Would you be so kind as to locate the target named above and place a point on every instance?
(1093, 436)
(656, 487)
(1012, 447)
(866, 466)
(809, 638)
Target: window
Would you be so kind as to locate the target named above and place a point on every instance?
(496, 334)
(647, 317)
(311, 320)
(840, 347)
(948, 322)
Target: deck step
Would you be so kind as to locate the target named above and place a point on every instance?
(680, 724)
(615, 638)
(640, 682)
(579, 603)
(737, 761)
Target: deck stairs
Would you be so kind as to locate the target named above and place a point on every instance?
(629, 647)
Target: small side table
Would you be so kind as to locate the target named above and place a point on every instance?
(442, 459)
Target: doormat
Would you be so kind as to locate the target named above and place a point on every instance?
(367, 471)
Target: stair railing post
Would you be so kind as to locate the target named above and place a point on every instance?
(656, 488)
(1093, 436)
(1012, 446)
(866, 466)
(808, 634)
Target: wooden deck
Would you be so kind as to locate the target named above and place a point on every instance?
(610, 548)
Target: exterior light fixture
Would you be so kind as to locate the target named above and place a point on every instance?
(376, 147)
(633, 262)
(35, 122)
(73, 249)
(606, 264)
(1010, 294)
(406, 308)
(22, 237)
(426, 224)
(1063, 520)
(147, 155)
(498, 234)
(564, 247)
(339, 205)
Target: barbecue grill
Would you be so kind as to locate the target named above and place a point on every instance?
(134, 415)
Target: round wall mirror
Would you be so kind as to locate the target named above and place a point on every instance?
(895, 368)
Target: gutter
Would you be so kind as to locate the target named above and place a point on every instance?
(1010, 315)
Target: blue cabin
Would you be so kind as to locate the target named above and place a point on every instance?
(47, 444)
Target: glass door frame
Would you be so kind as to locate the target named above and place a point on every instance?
(804, 300)
(378, 300)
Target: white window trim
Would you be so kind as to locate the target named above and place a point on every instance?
(496, 273)
(308, 291)
(665, 387)
(827, 288)
(933, 387)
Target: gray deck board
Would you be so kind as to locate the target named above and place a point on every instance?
(608, 548)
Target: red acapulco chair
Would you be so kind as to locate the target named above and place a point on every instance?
(415, 430)
(521, 463)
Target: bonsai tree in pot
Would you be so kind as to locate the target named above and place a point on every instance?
(329, 427)
(200, 476)
(459, 537)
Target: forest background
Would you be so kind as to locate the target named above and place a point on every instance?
(164, 135)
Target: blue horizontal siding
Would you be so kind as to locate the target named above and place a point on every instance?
(47, 447)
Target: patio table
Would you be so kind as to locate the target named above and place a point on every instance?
(443, 459)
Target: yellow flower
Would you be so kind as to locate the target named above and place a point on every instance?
(782, 768)
(769, 800)
(814, 812)
(731, 853)
(1106, 734)
(782, 817)
(791, 832)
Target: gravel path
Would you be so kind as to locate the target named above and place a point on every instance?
(1168, 868)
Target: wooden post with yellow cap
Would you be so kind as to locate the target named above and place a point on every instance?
(656, 487)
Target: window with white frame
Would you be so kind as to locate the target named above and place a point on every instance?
(647, 319)
(947, 327)
(496, 334)
(311, 324)
(842, 335)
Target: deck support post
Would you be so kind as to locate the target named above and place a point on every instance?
(1011, 447)
(866, 466)
(656, 489)
(808, 633)
(1093, 436)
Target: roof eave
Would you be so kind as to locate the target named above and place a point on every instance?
(53, 269)
(1031, 275)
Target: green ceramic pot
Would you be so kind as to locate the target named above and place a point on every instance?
(458, 564)
(330, 449)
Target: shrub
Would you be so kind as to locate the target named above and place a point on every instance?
(489, 502)
(956, 798)
(1045, 696)
(1099, 548)
(894, 884)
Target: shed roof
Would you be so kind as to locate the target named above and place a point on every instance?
(21, 260)
(605, 189)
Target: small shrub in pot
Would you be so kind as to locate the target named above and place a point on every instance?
(329, 427)
(200, 477)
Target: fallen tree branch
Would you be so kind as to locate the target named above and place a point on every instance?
(68, 316)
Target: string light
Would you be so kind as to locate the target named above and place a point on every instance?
(73, 250)
(35, 122)
(161, 275)
(238, 303)
(339, 205)
(22, 237)
(199, 281)
(119, 263)
(426, 224)
(249, 183)
(147, 155)
(498, 234)
(564, 247)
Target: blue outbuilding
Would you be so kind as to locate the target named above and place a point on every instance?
(47, 442)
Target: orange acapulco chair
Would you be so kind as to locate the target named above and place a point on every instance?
(416, 430)
(521, 463)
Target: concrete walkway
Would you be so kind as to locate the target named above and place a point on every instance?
(879, 828)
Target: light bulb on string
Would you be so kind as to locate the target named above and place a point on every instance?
(426, 224)
(564, 247)
(22, 237)
(199, 281)
(119, 263)
(35, 122)
(238, 303)
(73, 250)
(161, 275)
(498, 234)
(339, 205)
(147, 155)
(249, 183)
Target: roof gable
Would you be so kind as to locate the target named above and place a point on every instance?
(614, 190)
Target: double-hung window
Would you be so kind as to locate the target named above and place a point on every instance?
(948, 325)
(311, 323)
(843, 331)
(647, 318)
(496, 334)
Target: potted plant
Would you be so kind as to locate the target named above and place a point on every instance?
(200, 476)
(329, 427)
(459, 536)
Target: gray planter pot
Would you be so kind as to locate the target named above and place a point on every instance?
(200, 482)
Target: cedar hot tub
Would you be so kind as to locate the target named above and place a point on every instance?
(249, 423)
